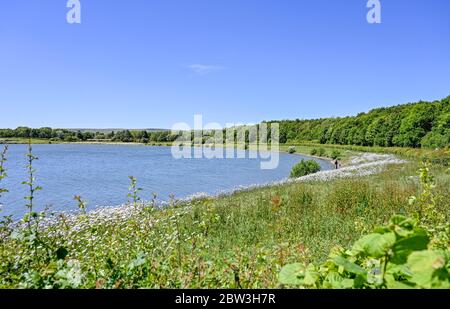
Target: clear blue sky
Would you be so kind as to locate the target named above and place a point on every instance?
(142, 63)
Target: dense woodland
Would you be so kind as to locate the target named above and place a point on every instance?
(422, 124)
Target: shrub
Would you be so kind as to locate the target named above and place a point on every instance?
(313, 152)
(305, 168)
(335, 154)
(321, 152)
(292, 149)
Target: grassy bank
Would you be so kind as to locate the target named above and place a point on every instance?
(240, 241)
(437, 156)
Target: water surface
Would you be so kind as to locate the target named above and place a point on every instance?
(99, 173)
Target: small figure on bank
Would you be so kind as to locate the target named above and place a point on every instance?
(337, 164)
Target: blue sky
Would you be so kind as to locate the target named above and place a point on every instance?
(151, 63)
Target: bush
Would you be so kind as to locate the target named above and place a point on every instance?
(292, 149)
(321, 152)
(305, 168)
(313, 152)
(335, 154)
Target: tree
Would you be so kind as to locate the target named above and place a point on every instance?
(415, 126)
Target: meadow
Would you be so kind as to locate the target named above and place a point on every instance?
(237, 241)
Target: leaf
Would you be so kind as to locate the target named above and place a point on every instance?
(402, 226)
(348, 283)
(391, 283)
(404, 222)
(334, 280)
(292, 274)
(374, 245)
(425, 266)
(349, 266)
(311, 276)
(404, 247)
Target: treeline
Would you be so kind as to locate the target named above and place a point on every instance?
(125, 136)
(64, 135)
(422, 124)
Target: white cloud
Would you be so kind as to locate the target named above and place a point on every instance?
(202, 69)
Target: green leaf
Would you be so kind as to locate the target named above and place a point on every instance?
(311, 276)
(292, 274)
(374, 245)
(349, 266)
(392, 283)
(333, 280)
(404, 222)
(348, 283)
(404, 247)
(426, 266)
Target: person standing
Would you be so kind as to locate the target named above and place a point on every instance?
(336, 163)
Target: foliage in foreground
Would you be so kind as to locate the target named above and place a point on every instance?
(394, 256)
(406, 253)
(305, 167)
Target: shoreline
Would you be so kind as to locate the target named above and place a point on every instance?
(365, 164)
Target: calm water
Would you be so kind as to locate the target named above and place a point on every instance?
(99, 173)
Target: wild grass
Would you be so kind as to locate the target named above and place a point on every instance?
(237, 241)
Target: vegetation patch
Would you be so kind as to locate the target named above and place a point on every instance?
(305, 167)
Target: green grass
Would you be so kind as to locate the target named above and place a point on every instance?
(238, 241)
(19, 140)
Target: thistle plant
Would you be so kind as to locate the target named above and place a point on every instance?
(81, 204)
(134, 191)
(2, 169)
(426, 202)
(30, 183)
